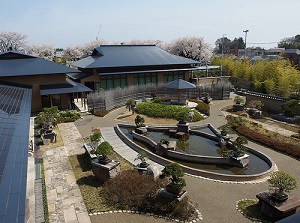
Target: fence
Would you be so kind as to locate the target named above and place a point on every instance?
(111, 99)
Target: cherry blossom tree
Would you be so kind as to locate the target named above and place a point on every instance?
(80, 51)
(12, 41)
(42, 51)
(190, 47)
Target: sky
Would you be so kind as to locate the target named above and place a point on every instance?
(63, 23)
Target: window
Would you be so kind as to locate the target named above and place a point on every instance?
(144, 78)
(173, 75)
(112, 81)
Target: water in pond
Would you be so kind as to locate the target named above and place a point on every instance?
(199, 145)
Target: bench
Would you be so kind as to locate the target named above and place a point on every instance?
(89, 146)
(277, 209)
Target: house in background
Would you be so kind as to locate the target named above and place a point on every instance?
(112, 66)
(48, 81)
(293, 55)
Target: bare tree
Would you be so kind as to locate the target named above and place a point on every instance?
(12, 41)
(190, 47)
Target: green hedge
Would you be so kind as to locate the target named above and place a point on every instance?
(158, 110)
(280, 146)
(201, 107)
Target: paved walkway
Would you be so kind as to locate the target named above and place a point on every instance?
(109, 134)
(65, 203)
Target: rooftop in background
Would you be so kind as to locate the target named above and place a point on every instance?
(19, 64)
(15, 102)
(112, 56)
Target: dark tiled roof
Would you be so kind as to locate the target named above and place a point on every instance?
(292, 51)
(68, 87)
(78, 76)
(19, 64)
(15, 105)
(107, 56)
(180, 84)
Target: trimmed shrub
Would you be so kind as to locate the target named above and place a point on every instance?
(159, 100)
(164, 111)
(201, 107)
(100, 113)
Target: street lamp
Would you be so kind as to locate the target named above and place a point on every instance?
(223, 45)
(245, 31)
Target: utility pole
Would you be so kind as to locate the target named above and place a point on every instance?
(245, 31)
(98, 32)
(223, 45)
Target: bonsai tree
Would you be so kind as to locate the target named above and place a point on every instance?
(95, 137)
(290, 108)
(183, 117)
(238, 100)
(142, 156)
(139, 121)
(238, 146)
(130, 104)
(103, 151)
(255, 104)
(175, 174)
(281, 183)
(165, 141)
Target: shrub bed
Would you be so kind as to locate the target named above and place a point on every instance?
(131, 190)
(51, 114)
(277, 145)
(164, 111)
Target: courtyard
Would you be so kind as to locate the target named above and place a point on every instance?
(216, 200)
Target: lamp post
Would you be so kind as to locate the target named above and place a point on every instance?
(245, 31)
(223, 45)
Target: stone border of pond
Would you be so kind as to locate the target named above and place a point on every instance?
(193, 171)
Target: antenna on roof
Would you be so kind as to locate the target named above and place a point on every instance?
(98, 32)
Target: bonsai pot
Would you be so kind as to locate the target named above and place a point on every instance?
(279, 197)
(171, 189)
(144, 164)
(103, 160)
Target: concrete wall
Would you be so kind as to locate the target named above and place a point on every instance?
(270, 103)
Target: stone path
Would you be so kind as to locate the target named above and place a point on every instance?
(109, 135)
(65, 203)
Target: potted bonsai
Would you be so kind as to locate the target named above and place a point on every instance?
(142, 156)
(183, 117)
(130, 104)
(238, 148)
(139, 121)
(103, 151)
(238, 100)
(95, 139)
(175, 174)
(281, 183)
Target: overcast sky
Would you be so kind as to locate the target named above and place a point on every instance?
(63, 23)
